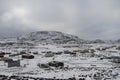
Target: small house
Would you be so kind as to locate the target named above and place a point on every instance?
(7, 60)
(56, 64)
(2, 54)
(14, 63)
(27, 56)
(49, 55)
(115, 59)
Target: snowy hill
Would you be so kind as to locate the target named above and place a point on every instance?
(51, 37)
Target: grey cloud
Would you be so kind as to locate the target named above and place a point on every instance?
(88, 19)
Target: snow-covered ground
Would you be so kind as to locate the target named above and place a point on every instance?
(77, 66)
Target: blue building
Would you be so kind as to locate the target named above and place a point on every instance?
(14, 63)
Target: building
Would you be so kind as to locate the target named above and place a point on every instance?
(27, 56)
(115, 59)
(14, 63)
(2, 54)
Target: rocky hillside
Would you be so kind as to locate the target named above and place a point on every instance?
(51, 37)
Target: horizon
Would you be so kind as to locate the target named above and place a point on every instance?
(15, 37)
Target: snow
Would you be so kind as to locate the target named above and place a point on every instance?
(74, 65)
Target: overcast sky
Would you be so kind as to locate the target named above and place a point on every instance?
(88, 19)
